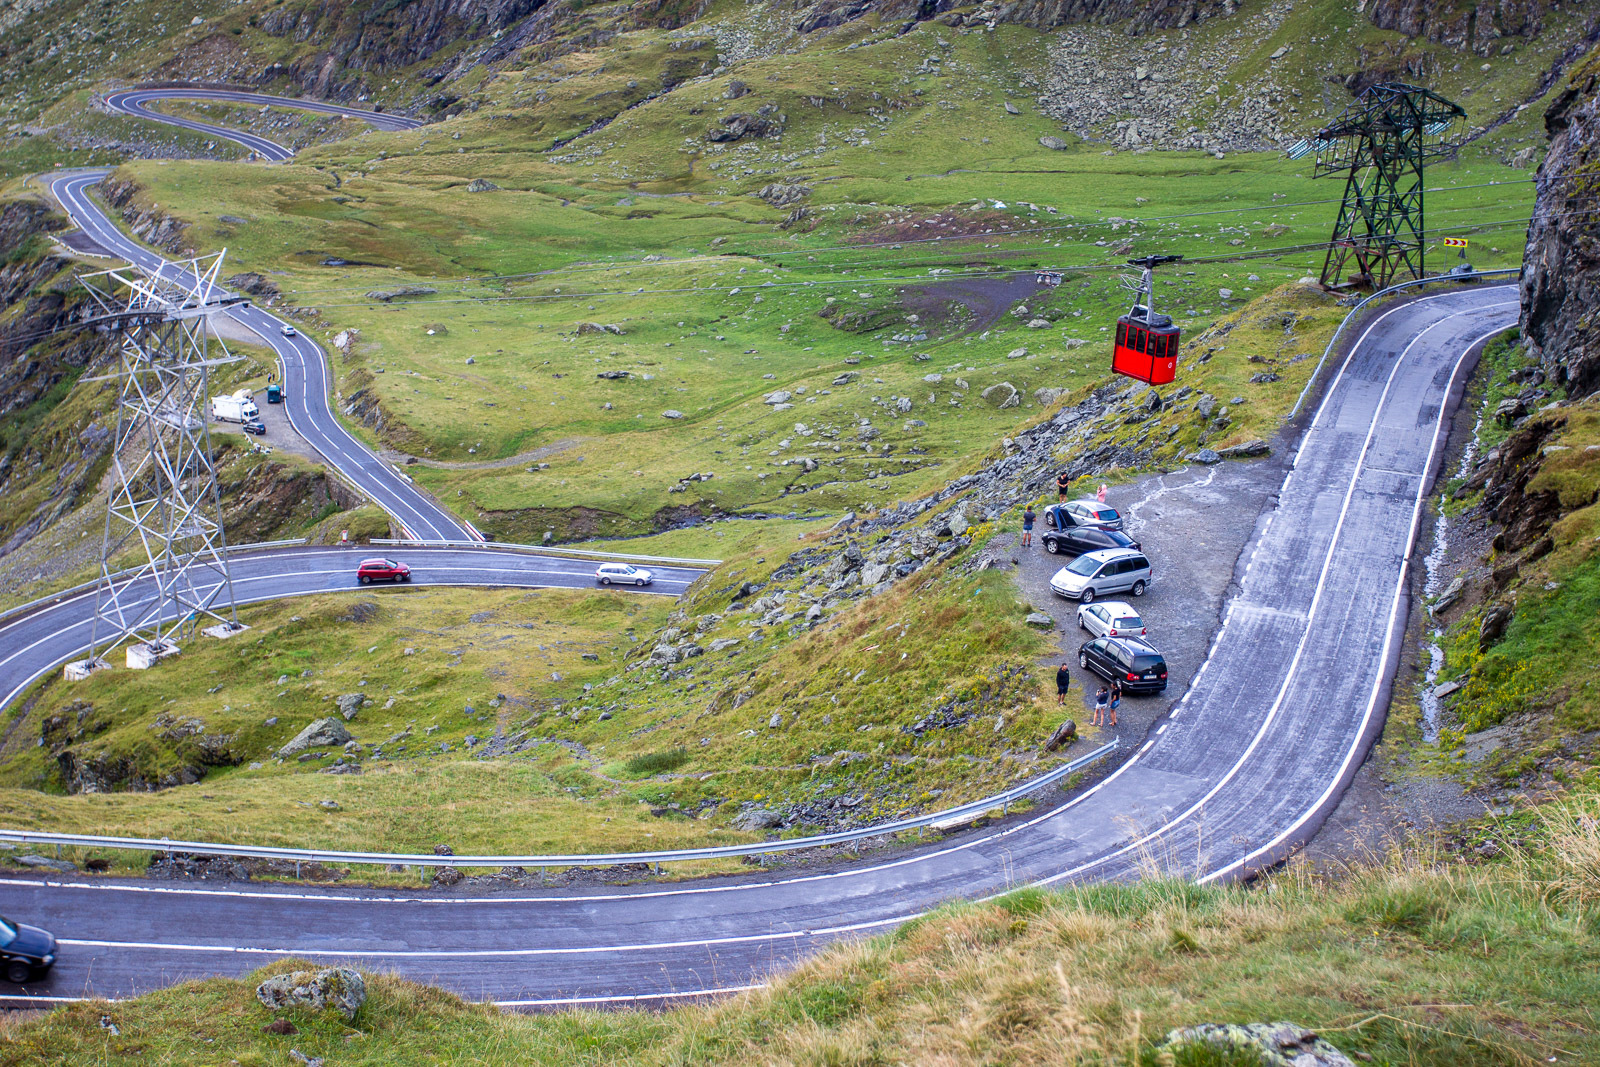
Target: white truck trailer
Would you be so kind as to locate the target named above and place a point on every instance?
(234, 408)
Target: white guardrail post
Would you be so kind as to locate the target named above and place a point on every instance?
(949, 816)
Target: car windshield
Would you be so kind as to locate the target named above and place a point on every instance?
(1106, 514)
(391, 564)
(628, 569)
(8, 932)
(1083, 566)
(1128, 622)
(1147, 663)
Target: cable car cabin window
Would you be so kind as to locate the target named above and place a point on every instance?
(1139, 340)
(1122, 333)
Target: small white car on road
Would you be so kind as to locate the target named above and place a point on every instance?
(287, 331)
(623, 574)
(1111, 618)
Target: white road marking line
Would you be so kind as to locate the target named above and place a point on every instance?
(1388, 640)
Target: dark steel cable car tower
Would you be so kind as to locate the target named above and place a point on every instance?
(1380, 144)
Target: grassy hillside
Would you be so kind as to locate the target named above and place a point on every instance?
(1414, 961)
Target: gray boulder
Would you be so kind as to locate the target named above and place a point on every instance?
(672, 413)
(1278, 1044)
(1205, 455)
(1001, 395)
(322, 733)
(1256, 447)
(1040, 619)
(758, 819)
(1053, 142)
(482, 185)
(349, 704)
(330, 989)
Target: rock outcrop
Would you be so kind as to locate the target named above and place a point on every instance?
(1480, 28)
(337, 989)
(1561, 266)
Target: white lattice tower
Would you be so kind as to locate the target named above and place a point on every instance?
(163, 559)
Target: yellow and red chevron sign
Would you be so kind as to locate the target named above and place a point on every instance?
(1455, 242)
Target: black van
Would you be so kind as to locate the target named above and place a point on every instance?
(1128, 661)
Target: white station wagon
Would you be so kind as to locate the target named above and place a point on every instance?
(623, 574)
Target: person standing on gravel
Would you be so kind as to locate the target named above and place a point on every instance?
(1063, 485)
(1116, 702)
(1100, 698)
(1063, 682)
(1028, 519)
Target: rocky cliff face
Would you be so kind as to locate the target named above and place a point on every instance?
(1561, 266)
(1483, 28)
(48, 459)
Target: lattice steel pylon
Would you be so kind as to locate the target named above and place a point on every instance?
(164, 504)
(1381, 144)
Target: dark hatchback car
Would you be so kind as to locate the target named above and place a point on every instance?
(25, 950)
(383, 570)
(1076, 540)
(1128, 661)
(255, 426)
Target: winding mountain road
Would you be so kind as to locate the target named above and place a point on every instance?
(135, 103)
(1242, 770)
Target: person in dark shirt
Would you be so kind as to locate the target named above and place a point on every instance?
(1063, 485)
(1028, 519)
(1063, 680)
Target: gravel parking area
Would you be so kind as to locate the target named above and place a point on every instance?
(1194, 524)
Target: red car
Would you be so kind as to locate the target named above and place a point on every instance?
(383, 570)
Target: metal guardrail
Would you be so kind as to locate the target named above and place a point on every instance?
(542, 550)
(83, 587)
(971, 810)
(1349, 318)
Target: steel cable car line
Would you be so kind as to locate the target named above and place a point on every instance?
(1146, 347)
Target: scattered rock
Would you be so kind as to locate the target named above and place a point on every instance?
(1205, 455)
(672, 413)
(1001, 395)
(322, 733)
(1278, 1044)
(1061, 736)
(1256, 447)
(330, 989)
(1493, 626)
(349, 704)
(758, 818)
(1053, 142)
(482, 185)
(1040, 620)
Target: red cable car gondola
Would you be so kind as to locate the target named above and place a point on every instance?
(1147, 343)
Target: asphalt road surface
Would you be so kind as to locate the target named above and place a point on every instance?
(32, 643)
(1243, 769)
(135, 103)
(307, 380)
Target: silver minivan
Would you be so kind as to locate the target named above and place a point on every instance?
(1109, 570)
